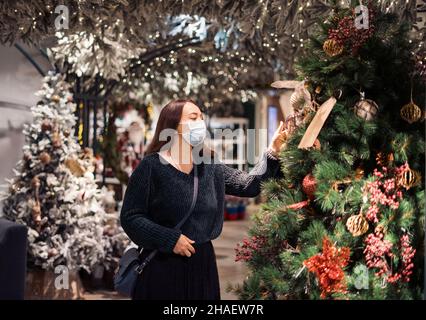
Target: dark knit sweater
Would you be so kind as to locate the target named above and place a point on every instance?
(158, 196)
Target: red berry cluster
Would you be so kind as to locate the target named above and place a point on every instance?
(383, 191)
(328, 267)
(244, 251)
(407, 254)
(376, 251)
(347, 34)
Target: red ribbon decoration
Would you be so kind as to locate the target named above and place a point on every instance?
(298, 205)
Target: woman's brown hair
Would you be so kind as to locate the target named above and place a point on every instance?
(169, 118)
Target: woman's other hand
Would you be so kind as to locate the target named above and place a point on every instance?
(184, 246)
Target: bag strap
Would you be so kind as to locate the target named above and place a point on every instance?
(194, 199)
(180, 224)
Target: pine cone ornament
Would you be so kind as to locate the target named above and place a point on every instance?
(411, 112)
(332, 48)
(357, 225)
(309, 186)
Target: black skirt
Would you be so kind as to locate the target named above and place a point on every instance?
(173, 277)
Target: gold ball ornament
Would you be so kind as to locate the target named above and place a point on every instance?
(357, 225)
(409, 178)
(55, 98)
(332, 48)
(411, 112)
(45, 157)
(366, 109)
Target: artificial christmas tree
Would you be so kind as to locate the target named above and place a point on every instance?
(54, 192)
(347, 220)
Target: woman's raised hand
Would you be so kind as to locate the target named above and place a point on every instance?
(184, 246)
(278, 139)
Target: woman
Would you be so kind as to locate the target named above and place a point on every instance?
(159, 194)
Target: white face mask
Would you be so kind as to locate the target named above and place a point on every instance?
(196, 132)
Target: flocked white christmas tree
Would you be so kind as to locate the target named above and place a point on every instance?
(54, 192)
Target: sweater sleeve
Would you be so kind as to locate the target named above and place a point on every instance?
(134, 215)
(242, 184)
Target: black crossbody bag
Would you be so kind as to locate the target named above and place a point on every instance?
(130, 266)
